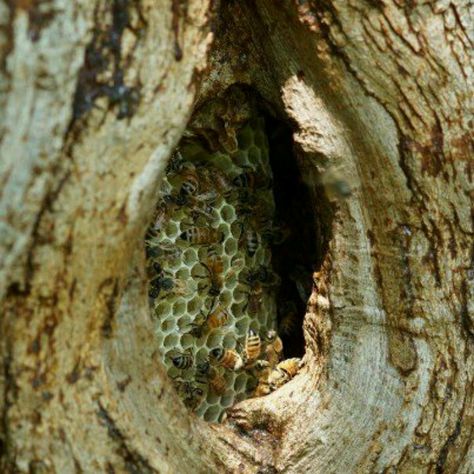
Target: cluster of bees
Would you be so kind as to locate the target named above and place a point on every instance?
(269, 372)
(196, 194)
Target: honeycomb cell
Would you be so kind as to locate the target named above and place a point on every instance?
(231, 282)
(254, 326)
(159, 338)
(242, 326)
(240, 158)
(168, 325)
(239, 397)
(212, 398)
(226, 230)
(236, 228)
(227, 400)
(193, 306)
(230, 246)
(190, 257)
(202, 409)
(203, 252)
(183, 322)
(202, 353)
(229, 341)
(212, 413)
(173, 265)
(162, 309)
(173, 372)
(183, 273)
(214, 339)
(241, 297)
(240, 382)
(179, 307)
(227, 213)
(187, 341)
(171, 340)
(171, 229)
(225, 298)
(238, 309)
(199, 271)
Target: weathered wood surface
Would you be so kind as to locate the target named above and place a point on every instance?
(95, 95)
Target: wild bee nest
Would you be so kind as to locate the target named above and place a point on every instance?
(209, 263)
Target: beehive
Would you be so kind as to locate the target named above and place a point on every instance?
(215, 211)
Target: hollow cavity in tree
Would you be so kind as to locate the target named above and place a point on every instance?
(222, 260)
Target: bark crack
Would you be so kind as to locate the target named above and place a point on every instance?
(104, 71)
(441, 461)
(9, 394)
(134, 462)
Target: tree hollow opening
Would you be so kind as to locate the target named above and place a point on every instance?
(301, 253)
(231, 252)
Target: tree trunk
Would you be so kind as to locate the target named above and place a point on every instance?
(95, 95)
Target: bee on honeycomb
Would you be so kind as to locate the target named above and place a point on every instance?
(210, 267)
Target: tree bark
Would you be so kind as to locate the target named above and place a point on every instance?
(96, 95)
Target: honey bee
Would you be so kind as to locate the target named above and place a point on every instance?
(161, 216)
(227, 358)
(274, 348)
(252, 180)
(183, 360)
(214, 267)
(191, 395)
(175, 164)
(254, 299)
(197, 186)
(202, 236)
(260, 367)
(153, 251)
(262, 370)
(263, 276)
(217, 178)
(249, 238)
(217, 382)
(154, 268)
(172, 201)
(216, 318)
(168, 204)
(202, 373)
(207, 375)
(284, 372)
(253, 347)
(256, 280)
(205, 210)
(252, 241)
(159, 283)
(190, 183)
(202, 370)
(248, 205)
(212, 253)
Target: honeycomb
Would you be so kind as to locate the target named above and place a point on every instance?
(209, 264)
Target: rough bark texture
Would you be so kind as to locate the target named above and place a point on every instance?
(94, 97)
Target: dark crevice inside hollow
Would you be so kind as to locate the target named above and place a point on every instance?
(302, 251)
